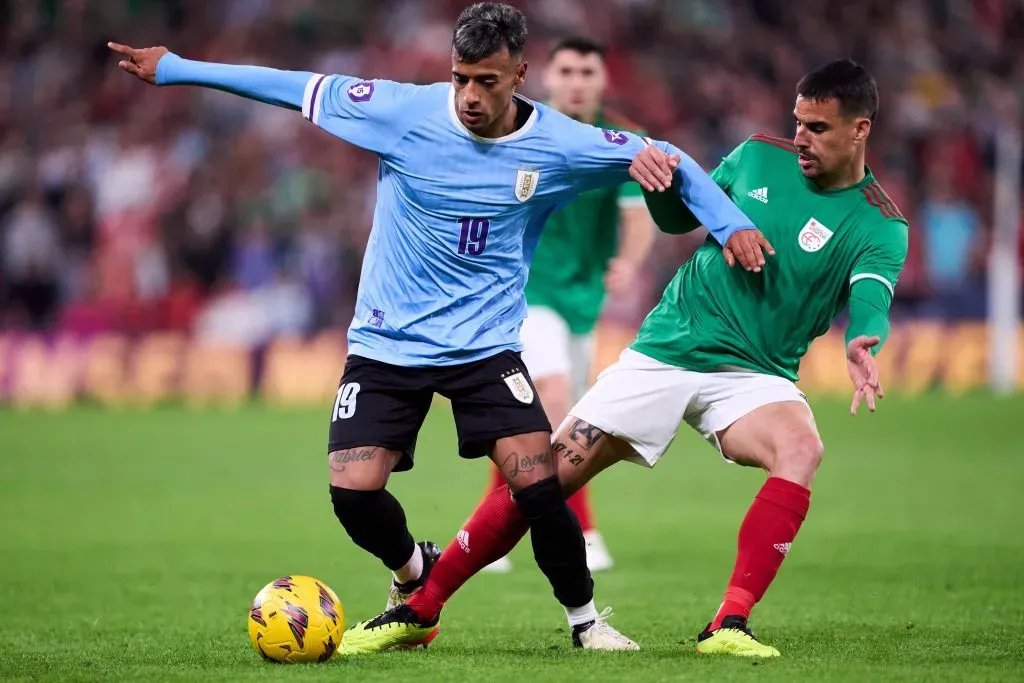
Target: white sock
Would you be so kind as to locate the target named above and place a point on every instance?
(581, 615)
(412, 569)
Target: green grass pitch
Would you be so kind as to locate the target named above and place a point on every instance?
(132, 543)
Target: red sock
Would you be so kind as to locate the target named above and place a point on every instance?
(765, 537)
(579, 503)
(491, 533)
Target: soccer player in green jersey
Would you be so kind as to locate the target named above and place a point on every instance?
(721, 350)
(596, 243)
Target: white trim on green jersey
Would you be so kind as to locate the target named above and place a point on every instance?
(871, 276)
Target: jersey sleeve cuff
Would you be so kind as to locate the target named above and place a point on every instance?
(313, 96)
(872, 276)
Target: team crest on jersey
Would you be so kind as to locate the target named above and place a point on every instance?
(526, 183)
(813, 236)
(519, 386)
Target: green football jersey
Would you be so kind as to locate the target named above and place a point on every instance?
(712, 316)
(567, 273)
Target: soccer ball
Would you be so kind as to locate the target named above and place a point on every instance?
(296, 619)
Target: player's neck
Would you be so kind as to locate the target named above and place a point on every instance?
(844, 177)
(507, 123)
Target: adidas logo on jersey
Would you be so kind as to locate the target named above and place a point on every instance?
(463, 538)
(760, 194)
(783, 547)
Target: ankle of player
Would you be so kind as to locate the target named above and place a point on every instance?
(581, 615)
(412, 569)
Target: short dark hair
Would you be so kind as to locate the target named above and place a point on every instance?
(581, 44)
(846, 81)
(485, 28)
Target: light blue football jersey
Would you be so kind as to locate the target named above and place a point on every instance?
(458, 216)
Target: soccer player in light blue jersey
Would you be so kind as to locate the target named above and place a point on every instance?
(469, 173)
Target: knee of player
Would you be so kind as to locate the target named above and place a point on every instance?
(358, 469)
(539, 499)
(802, 452)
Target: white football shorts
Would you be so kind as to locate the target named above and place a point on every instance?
(644, 401)
(550, 348)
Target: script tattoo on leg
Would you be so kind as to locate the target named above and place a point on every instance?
(515, 464)
(341, 459)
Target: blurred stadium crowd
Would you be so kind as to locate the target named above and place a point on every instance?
(135, 209)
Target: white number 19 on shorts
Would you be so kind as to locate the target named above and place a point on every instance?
(345, 401)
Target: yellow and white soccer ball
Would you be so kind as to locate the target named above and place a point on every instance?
(296, 619)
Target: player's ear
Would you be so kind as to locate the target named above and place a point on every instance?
(863, 128)
(521, 73)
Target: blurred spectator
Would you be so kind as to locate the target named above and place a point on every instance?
(319, 261)
(954, 250)
(32, 260)
(79, 237)
(254, 263)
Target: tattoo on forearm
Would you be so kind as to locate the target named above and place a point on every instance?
(515, 464)
(560, 450)
(584, 434)
(340, 459)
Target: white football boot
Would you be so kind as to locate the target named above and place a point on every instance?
(600, 635)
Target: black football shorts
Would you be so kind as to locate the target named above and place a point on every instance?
(379, 404)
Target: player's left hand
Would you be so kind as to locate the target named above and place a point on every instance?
(620, 276)
(863, 370)
(747, 247)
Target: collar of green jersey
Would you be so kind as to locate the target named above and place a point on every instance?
(813, 186)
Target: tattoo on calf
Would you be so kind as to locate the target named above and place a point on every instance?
(515, 464)
(340, 459)
(585, 434)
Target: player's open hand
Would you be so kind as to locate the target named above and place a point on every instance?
(747, 247)
(653, 169)
(139, 62)
(863, 372)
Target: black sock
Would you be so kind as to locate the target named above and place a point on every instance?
(376, 522)
(558, 544)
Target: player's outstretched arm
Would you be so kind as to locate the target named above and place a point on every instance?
(669, 213)
(867, 332)
(663, 193)
(872, 285)
(160, 66)
(374, 115)
(702, 195)
(602, 158)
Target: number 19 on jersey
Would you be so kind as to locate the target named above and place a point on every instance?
(473, 235)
